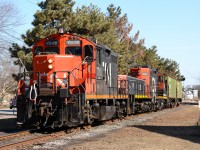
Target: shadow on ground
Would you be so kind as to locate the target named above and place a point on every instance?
(190, 133)
(189, 103)
(8, 125)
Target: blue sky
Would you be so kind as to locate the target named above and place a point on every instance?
(171, 25)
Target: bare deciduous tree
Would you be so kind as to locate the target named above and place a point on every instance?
(8, 85)
(8, 23)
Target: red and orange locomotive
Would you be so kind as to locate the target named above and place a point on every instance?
(75, 81)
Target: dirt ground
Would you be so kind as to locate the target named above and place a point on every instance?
(169, 129)
(175, 130)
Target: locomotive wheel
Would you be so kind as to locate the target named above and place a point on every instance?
(134, 109)
(119, 114)
(90, 120)
(88, 114)
(154, 107)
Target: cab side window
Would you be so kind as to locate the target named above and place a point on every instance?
(88, 50)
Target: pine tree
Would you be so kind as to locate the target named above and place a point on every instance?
(111, 28)
(53, 14)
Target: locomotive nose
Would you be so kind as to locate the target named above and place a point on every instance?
(43, 63)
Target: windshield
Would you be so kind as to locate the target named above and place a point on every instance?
(73, 51)
(51, 50)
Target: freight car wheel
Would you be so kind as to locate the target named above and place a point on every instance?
(172, 104)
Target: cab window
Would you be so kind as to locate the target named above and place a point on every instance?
(51, 50)
(88, 50)
(38, 50)
(134, 74)
(73, 51)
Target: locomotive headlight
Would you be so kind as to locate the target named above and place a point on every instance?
(50, 66)
(50, 61)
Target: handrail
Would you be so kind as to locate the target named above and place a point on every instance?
(69, 72)
(54, 75)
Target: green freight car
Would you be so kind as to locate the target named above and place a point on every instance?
(174, 89)
(179, 91)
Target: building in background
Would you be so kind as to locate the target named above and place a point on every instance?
(192, 92)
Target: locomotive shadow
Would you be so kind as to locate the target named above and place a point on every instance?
(189, 103)
(8, 125)
(189, 133)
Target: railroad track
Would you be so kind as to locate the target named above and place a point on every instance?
(14, 135)
(33, 139)
(26, 138)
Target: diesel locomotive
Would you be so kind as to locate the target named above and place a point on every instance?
(75, 81)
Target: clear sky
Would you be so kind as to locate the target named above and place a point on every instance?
(171, 25)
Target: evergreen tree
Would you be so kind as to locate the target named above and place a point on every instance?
(127, 47)
(53, 14)
(112, 29)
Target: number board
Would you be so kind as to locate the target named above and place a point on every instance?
(51, 43)
(73, 42)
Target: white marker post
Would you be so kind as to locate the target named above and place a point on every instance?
(199, 104)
